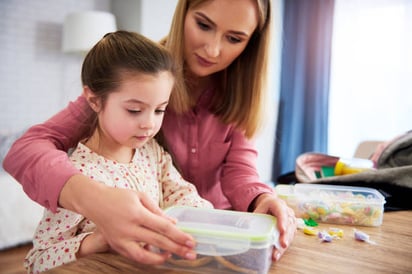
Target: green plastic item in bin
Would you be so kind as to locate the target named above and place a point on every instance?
(225, 232)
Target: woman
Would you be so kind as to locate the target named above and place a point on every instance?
(223, 48)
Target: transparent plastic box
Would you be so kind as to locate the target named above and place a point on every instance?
(335, 204)
(226, 241)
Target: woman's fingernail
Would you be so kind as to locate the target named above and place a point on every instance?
(190, 255)
(190, 244)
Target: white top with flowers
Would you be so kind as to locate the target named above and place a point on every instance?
(58, 235)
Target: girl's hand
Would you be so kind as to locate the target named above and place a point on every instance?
(126, 219)
(93, 243)
(286, 221)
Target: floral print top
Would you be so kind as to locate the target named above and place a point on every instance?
(58, 235)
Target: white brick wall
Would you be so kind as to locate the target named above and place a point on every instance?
(36, 78)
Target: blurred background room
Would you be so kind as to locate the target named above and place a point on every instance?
(340, 74)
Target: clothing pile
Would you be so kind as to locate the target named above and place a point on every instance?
(392, 176)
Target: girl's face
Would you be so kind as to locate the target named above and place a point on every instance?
(134, 112)
(216, 32)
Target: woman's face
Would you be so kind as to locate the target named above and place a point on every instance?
(216, 32)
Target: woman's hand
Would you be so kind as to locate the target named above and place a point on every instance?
(286, 221)
(126, 219)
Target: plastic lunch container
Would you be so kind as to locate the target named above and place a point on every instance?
(231, 241)
(334, 204)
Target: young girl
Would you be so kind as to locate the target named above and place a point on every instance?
(127, 82)
(223, 46)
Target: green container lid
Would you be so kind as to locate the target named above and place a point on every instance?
(226, 232)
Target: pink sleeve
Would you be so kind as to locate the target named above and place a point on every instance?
(39, 160)
(240, 180)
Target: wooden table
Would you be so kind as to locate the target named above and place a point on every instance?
(391, 254)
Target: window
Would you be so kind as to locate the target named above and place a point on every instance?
(371, 73)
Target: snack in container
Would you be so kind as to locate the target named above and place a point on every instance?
(226, 241)
(335, 204)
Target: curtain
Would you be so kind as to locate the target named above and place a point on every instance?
(302, 124)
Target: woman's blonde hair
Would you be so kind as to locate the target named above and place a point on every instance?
(242, 85)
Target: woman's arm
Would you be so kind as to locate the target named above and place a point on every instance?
(241, 184)
(126, 218)
(38, 159)
(240, 180)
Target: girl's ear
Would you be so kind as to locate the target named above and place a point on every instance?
(92, 99)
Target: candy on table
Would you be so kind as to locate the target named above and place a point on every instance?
(300, 223)
(362, 236)
(305, 223)
(310, 222)
(310, 231)
(325, 237)
(333, 231)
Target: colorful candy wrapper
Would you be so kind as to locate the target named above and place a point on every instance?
(362, 236)
(325, 237)
(300, 223)
(333, 231)
(310, 231)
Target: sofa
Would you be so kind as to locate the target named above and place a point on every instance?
(19, 215)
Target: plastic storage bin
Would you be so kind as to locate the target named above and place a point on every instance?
(229, 241)
(334, 204)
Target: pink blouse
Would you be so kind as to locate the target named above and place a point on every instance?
(218, 159)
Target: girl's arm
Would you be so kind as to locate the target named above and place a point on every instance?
(39, 160)
(57, 240)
